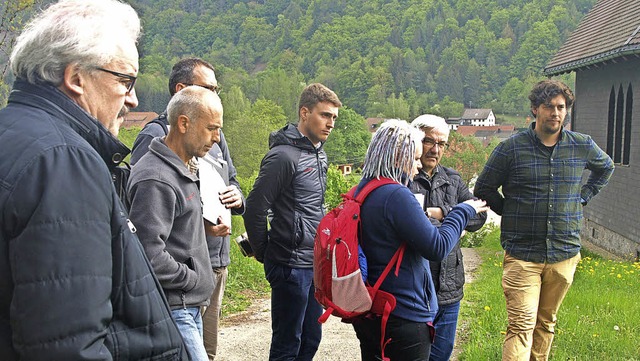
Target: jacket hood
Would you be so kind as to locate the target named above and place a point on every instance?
(53, 101)
(290, 135)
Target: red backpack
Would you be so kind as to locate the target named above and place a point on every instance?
(337, 275)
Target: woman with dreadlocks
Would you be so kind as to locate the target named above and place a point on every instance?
(391, 216)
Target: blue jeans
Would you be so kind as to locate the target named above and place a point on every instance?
(445, 323)
(410, 341)
(294, 313)
(189, 322)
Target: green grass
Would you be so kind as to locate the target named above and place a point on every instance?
(246, 280)
(598, 320)
(127, 136)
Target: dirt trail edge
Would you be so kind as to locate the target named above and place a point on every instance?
(246, 336)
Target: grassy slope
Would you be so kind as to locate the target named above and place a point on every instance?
(598, 320)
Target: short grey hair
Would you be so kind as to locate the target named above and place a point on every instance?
(83, 32)
(391, 151)
(190, 101)
(428, 122)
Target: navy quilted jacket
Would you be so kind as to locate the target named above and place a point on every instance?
(291, 183)
(74, 280)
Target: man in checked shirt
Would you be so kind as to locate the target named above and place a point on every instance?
(540, 171)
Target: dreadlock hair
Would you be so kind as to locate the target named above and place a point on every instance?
(392, 150)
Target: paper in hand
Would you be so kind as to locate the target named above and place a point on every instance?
(211, 185)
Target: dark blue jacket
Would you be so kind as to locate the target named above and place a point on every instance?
(291, 183)
(74, 279)
(391, 215)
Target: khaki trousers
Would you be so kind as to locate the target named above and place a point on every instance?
(211, 317)
(533, 294)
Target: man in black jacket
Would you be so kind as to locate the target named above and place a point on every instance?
(442, 189)
(74, 280)
(196, 71)
(291, 183)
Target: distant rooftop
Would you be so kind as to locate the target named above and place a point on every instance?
(476, 114)
(610, 30)
(138, 119)
(492, 130)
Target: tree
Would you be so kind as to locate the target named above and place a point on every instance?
(11, 19)
(349, 139)
(466, 155)
(536, 49)
(511, 95)
(153, 92)
(447, 108)
(248, 136)
(337, 184)
(281, 87)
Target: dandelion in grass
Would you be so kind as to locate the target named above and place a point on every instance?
(487, 308)
(616, 328)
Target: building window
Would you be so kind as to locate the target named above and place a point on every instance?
(619, 125)
(627, 126)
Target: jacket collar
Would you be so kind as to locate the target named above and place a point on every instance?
(534, 136)
(60, 106)
(290, 135)
(439, 178)
(160, 149)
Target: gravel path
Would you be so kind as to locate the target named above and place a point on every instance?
(246, 336)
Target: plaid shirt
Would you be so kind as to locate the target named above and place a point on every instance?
(543, 196)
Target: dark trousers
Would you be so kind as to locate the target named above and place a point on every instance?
(410, 341)
(294, 313)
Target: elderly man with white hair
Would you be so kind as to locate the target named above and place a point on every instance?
(74, 280)
(442, 189)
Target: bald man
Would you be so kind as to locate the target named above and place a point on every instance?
(167, 211)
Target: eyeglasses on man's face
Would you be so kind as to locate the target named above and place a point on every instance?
(430, 143)
(213, 88)
(129, 81)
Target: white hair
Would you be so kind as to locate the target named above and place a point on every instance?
(84, 32)
(427, 122)
(391, 151)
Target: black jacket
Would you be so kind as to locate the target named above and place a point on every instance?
(158, 127)
(291, 183)
(445, 190)
(74, 280)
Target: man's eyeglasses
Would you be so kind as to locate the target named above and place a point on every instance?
(430, 143)
(129, 80)
(214, 88)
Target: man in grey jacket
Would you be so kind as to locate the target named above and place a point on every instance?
(167, 210)
(443, 189)
(198, 72)
(291, 183)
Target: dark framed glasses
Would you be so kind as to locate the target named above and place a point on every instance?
(214, 88)
(430, 143)
(128, 80)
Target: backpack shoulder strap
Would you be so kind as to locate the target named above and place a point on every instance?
(162, 121)
(368, 188)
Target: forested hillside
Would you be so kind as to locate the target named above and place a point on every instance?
(383, 58)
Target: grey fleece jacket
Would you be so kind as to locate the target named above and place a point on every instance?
(167, 212)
